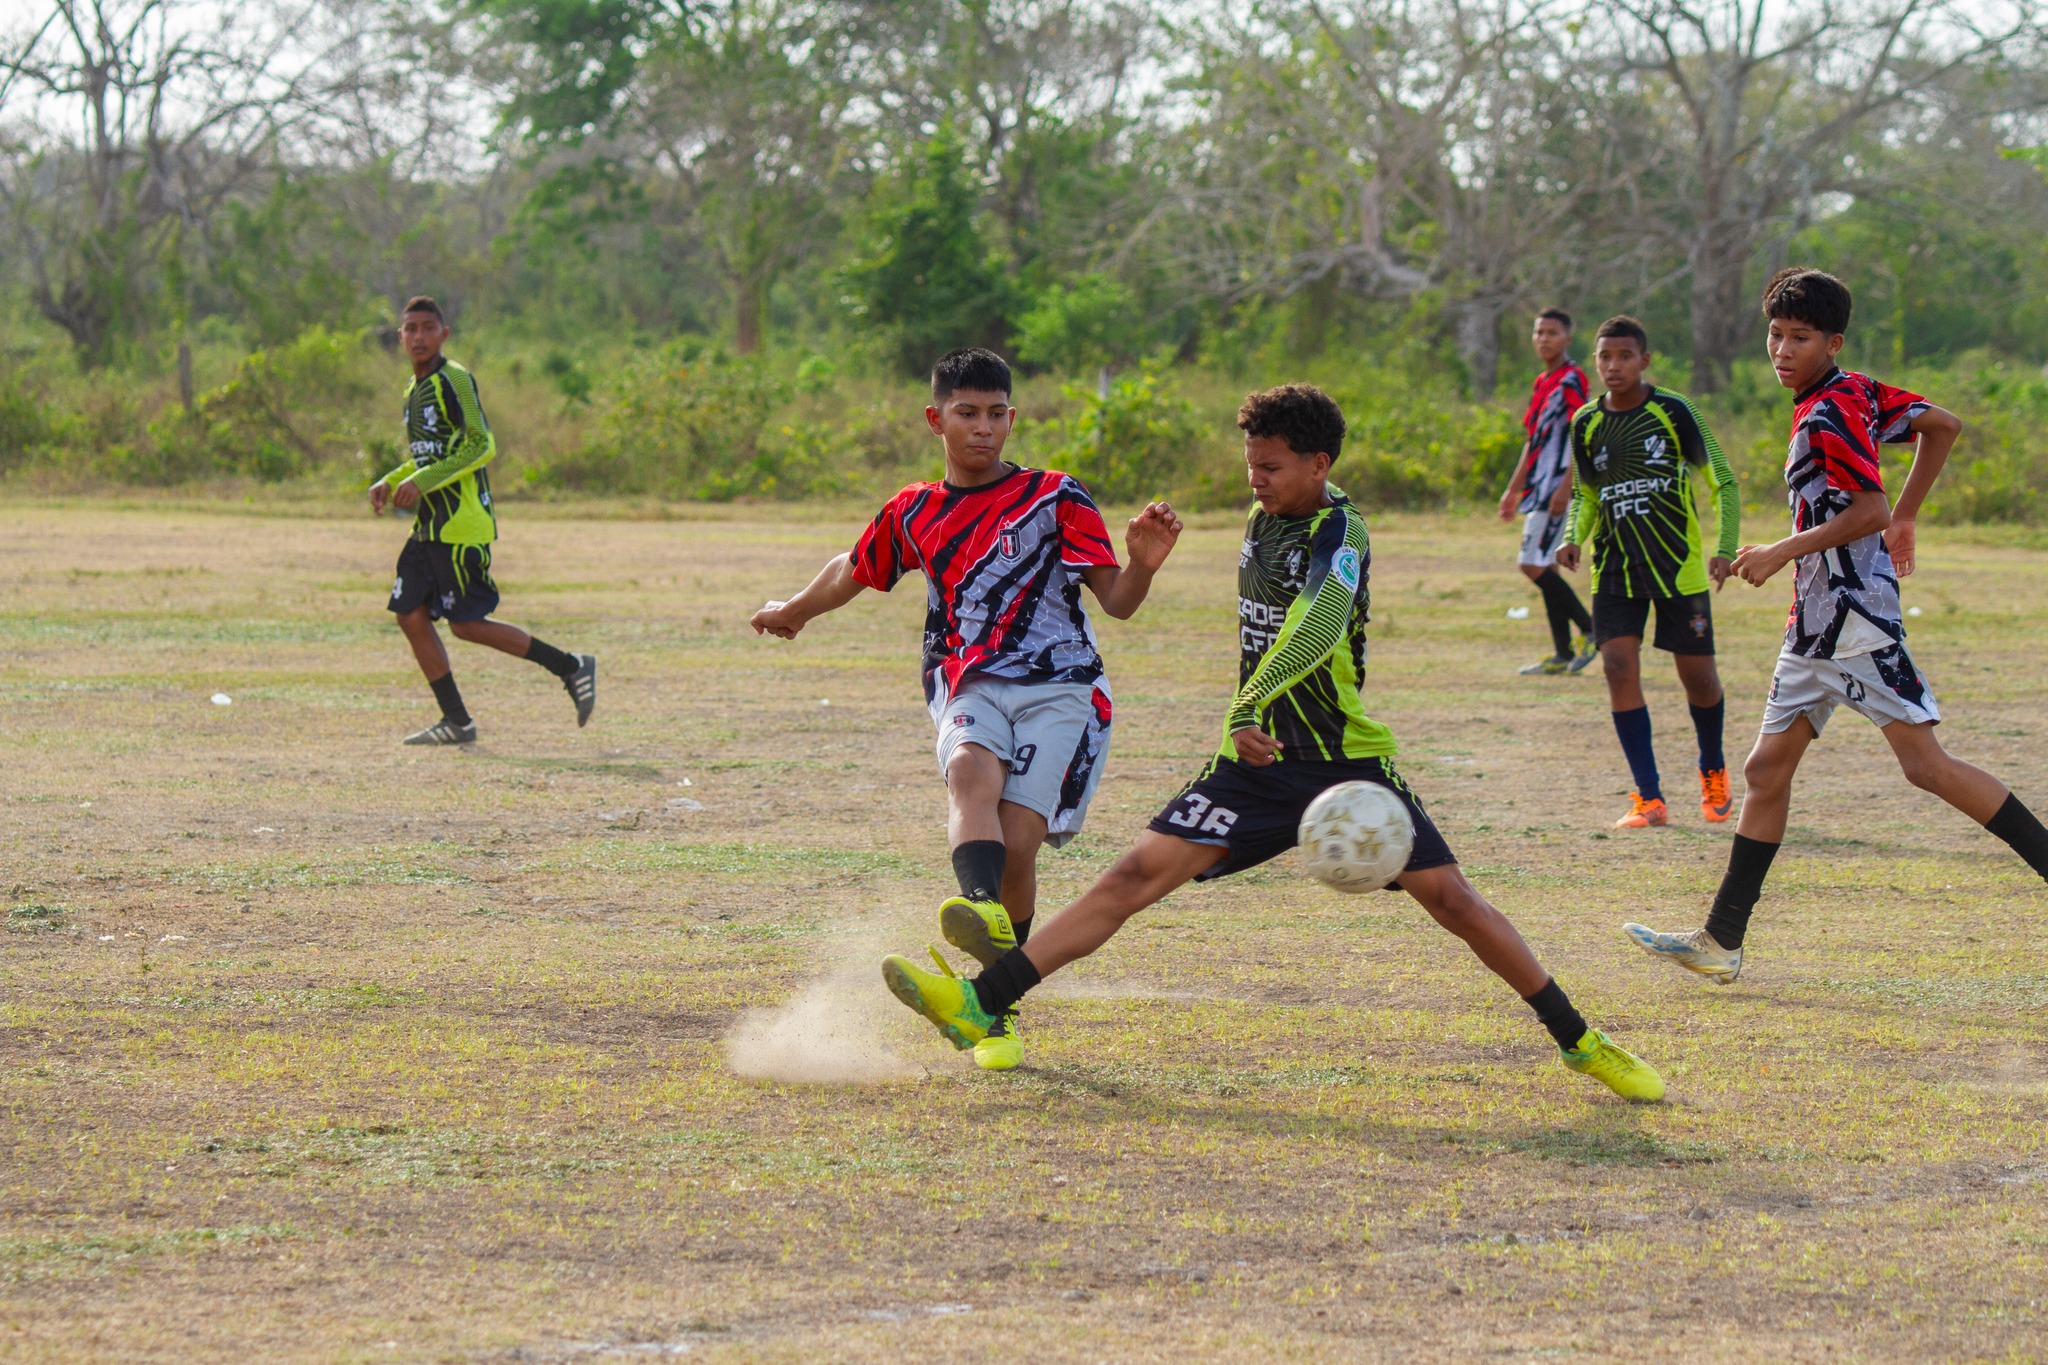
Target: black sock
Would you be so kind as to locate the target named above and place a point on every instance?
(1706, 723)
(1562, 605)
(1557, 1013)
(550, 658)
(2015, 824)
(1633, 729)
(978, 864)
(1003, 983)
(1023, 928)
(450, 697)
(1749, 861)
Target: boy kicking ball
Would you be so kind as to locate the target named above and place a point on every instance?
(444, 571)
(1295, 728)
(1011, 672)
(1845, 643)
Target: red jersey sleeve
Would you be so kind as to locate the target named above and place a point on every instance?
(1084, 539)
(885, 551)
(1840, 433)
(1896, 409)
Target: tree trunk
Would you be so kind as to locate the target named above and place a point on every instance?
(185, 374)
(1722, 322)
(1478, 337)
(747, 317)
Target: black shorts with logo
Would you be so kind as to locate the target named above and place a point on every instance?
(1685, 625)
(1256, 813)
(453, 582)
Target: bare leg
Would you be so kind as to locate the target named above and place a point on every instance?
(418, 628)
(1932, 768)
(974, 788)
(1621, 659)
(1456, 904)
(1532, 572)
(1023, 836)
(1156, 866)
(1699, 677)
(497, 634)
(1767, 781)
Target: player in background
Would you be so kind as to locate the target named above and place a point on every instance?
(1296, 727)
(1541, 489)
(1845, 641)
(444, 571)
(1012, 675)
(1635, 449)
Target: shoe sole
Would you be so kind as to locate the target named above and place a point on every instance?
(905, 989)
(969, 933)
(998, 1061)
(1718, 975)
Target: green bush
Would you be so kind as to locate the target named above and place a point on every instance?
(1130, 444)
(27, 425)
(287, 411)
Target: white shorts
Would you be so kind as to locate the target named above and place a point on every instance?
(1883, 686)
(1540, 534)
(1054, 736)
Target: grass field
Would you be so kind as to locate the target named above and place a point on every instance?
(315, 1047)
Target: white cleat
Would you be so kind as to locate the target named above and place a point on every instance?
(1696, 951)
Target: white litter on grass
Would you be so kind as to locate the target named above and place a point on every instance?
(83, 805)
(835, 1031)
(1518, 613)
(684, 803)
(824, 701)
(106, 938)
(1912, 611)
(265, 829)
(172, 938)
(686, 782)
(223, 699)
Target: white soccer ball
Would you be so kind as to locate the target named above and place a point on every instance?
(1356, 837)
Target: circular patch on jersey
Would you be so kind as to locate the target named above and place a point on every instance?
(1344, 564)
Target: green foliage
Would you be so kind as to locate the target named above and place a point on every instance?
(1093, 323)
(288, 410)
(1132, 443)
(27, 425)
(284, 262)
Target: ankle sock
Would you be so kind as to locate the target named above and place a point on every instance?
(1706, 724)
(450, 697)
(1023, 931)
(1749, 862)
(978, 866)
(2018, 826)
(1557, 1013)
(1003, 982)
(547, 656)
(1633, 729)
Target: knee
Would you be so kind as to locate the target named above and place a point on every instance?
(1924, 772)
(414, 622)
(1763, 777)
(1617, 666)
(1534, 572)
(973, 772)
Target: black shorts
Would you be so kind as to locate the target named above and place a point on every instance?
(453, 582)
(1256, 813)
(1685, 625)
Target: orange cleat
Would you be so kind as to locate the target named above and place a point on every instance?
(1715, 802)
(1643, 814)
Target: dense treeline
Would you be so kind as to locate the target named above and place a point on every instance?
(662, 213)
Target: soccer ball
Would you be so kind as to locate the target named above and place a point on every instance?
(1356, 836)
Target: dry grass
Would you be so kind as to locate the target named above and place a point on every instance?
(313, 1047)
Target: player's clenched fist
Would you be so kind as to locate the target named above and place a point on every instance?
(1151, 534)
(380, 497)
(778, 620)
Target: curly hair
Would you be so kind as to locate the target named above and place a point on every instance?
(1814, 297)
(1302, 415)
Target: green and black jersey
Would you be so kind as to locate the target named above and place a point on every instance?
(1301, 608)
(450, 442)
(1633, 501)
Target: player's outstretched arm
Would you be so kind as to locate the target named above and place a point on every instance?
(832, 589)
(1937, 429)
(1149, 539)
(1866, 513)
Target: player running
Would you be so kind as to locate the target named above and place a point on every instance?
(1634, 449)
(1011, 671)
(1296, 727)
(1541, 489)
(444, 571)
(1845, 641)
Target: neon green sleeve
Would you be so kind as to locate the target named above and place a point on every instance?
(1727, 495)
(1314, 626)
(473, 444)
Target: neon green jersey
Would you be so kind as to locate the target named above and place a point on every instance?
(450, 442)
(1632, 503)
(1302, 604)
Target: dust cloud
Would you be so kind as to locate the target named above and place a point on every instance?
(844, 1028)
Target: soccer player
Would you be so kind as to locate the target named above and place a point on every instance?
(1012, 676)
(1845, 641)
(1634, 449)
(444, 571)
(1541, 489)
(1295, 728)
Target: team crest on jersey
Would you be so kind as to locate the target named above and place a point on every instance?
(1297, 565)
(1345, 566)
(1600, 459)
(1244, 555)
(965, 718)
(1654, 451)
(428, 417)
(1008, 542)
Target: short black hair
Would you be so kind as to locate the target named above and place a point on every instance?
(1302, 415)
(421, 303)
(970, 367)
(1814, 297)
(1622, 325)
(1557, 315)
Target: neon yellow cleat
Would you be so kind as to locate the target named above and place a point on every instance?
(1002, 1049)
(946, 1000)
(980, 929)
(1615, 1067)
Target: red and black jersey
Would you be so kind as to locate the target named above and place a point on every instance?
(1846, 600)
(1002, 563)
(1547, 451)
